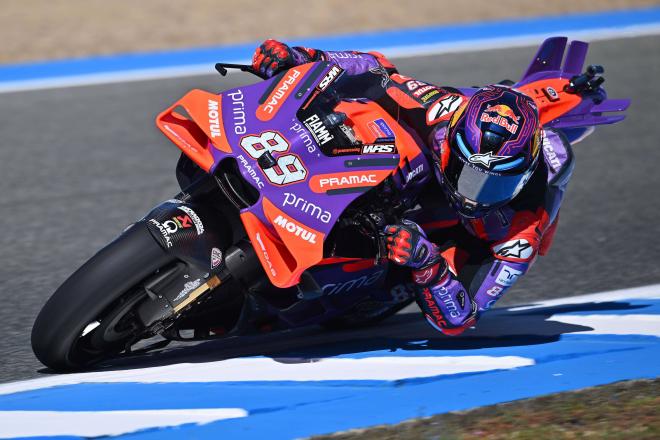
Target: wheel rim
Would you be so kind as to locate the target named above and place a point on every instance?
(116, 327)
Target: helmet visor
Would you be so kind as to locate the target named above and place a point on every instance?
(485, 188)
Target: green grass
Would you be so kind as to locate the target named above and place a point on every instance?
(620, 411)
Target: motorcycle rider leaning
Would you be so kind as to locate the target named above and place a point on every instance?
(500, 181)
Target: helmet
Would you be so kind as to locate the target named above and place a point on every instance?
(491, 150)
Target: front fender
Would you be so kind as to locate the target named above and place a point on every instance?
(193, 233)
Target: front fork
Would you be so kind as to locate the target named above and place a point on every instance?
(200, 238)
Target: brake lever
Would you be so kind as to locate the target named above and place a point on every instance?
(222, 69)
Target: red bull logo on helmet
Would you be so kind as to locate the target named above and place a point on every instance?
(502, 115)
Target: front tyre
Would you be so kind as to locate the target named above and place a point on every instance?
(91, 315)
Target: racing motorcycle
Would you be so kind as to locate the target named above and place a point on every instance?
(286, 186)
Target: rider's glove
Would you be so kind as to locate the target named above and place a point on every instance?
(273, 57)
(407, 245)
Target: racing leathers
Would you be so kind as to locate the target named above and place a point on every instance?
(461, 266)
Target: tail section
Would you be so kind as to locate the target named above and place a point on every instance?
(567, 98)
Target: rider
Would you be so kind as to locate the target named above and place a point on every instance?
(500, 181)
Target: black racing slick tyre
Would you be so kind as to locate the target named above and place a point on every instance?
(101, 293)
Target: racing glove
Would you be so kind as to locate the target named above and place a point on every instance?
(273, 57)
(407, 245)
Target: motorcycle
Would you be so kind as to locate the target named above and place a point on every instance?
(286, 186)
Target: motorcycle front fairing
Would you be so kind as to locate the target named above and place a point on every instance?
(274, 133)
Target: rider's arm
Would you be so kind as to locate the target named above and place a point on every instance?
(457, 281)
(273, 56)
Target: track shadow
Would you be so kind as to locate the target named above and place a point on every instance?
(409, 331)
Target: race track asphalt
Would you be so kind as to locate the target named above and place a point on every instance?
(79, 164)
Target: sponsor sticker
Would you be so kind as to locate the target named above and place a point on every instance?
(238, 111)
(294, 228)
(324, 182)
(519, 249)
(414, 173)
(329, 77)
(426, 98)
(502, 115)
(355, 283)
(304, 136)
(264, 252)
(551, 93)
(346, 151)
(216, 258)
(199, 226)
(187, 288)
(486, 159)
(177, 222)
(249, 169)
(163, 231)
(282, 90)
(550, 154)
(318, 129)
(214, 118)
(309, 208)
(443, 107)
(380, 128)
(507, 276)
(378, 149)
(419, 92)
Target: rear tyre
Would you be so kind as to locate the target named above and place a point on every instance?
(91, 316)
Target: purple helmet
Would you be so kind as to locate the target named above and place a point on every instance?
(491, 151)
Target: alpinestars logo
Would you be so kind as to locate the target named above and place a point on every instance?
(486, 159)
(520, 249)
(295, 229)
(443, 107)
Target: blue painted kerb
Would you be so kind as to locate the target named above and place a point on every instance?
(392, 38)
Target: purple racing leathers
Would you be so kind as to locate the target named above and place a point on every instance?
(483, 256)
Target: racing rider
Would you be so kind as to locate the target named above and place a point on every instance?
(500, 181)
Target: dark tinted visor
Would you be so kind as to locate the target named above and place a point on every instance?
(481, 186)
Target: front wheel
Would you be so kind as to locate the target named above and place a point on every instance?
(92, 315)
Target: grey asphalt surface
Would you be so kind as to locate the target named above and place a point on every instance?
(79, 164)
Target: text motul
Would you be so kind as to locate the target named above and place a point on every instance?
(295, 229)
(214, 118)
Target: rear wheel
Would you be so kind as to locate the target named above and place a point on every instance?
(92, 315)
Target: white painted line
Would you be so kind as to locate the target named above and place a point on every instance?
(614, 324)
(643, 292)
(105, 423)
(407, 51)
(266, 369)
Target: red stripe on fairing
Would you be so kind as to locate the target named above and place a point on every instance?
(335, 260)
(352, 264)
(359, 265)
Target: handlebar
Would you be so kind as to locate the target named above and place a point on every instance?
(222, 69)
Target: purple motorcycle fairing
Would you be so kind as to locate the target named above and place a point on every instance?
(320, 211)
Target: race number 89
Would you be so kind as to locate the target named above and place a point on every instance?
(289, 168)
